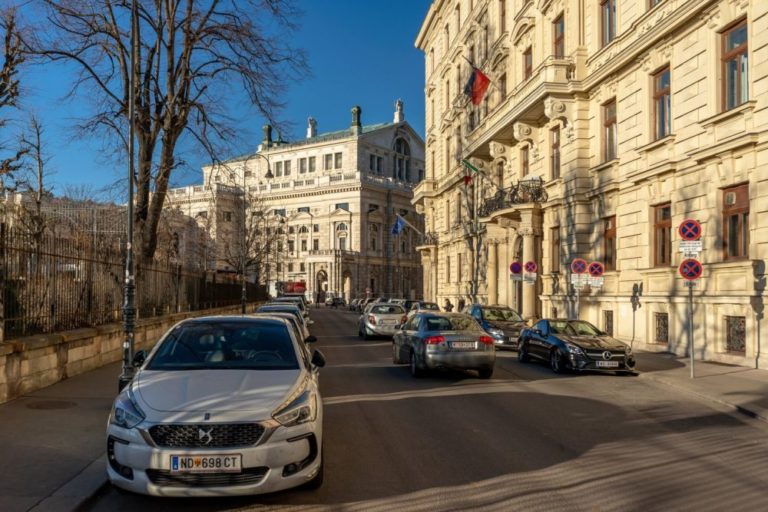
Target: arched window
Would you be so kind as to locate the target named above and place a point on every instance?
(303, 230)
(341, 227)
(500, 173)
(402, 162)
(291, 230)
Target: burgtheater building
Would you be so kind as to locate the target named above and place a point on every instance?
(333, 199)
(608, 123)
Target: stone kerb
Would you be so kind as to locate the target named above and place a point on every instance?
(34, 362)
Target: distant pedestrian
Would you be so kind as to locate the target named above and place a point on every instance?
(448, 306)
(461, 305)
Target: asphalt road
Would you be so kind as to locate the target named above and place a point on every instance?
(525, 440)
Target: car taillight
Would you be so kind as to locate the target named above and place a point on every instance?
(434, 340)
(371, 319)
(486, 339)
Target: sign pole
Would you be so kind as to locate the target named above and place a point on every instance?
(690, 325)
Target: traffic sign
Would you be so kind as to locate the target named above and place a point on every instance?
(691, 269)
(596, 269)
(690, 229)
(531, 266)
(596, 282)
(516, 267)
(691, 248)
(578, 266)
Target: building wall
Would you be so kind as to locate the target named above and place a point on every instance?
(710, 148)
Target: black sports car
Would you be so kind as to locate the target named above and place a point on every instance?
(574, 345)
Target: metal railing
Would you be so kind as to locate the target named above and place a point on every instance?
(55, 284)
(523, 192)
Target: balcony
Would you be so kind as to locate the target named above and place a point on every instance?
(527, 191)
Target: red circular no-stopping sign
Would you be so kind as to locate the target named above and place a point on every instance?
(691, 269)
(689, 230)
(596, 269)
(516, 267)
(531, 266)
(579, 266)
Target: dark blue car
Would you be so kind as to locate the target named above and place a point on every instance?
(502, 323)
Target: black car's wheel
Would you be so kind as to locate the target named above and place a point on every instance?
(485, 373)
(556, 361)
(522, 352)
(416, 371)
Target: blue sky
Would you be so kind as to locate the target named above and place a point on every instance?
(361, 52)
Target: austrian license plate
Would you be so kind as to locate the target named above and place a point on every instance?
(388, 322)
(206, 463)
(607, 364)
(464, 345)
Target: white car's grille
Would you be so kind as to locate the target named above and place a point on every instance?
(164, 478)
(212, 435)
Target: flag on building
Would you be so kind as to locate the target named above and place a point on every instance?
(476, 86)
(470, 171)
(399, 225)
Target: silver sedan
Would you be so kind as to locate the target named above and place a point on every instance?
(380, 319)
(430, 341)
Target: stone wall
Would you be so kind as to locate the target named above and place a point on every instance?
(28, 364)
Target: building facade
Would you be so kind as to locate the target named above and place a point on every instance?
(331, 202)
(608, 123)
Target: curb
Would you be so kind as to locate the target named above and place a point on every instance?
(75, 493)
(737, 408)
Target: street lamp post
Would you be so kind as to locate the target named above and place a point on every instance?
(129, 304)
(243, 249)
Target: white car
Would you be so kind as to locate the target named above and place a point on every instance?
(222, 406)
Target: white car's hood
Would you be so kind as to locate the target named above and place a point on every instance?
(215, 390)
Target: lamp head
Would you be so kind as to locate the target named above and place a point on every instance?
(269, 174)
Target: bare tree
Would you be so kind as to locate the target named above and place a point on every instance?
(191, 56)
(32, 218)
(9, 91)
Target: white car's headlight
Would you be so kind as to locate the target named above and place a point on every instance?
(496, 333)
(299, 408)
(125, 411)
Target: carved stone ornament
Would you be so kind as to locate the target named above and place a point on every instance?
(497, 149)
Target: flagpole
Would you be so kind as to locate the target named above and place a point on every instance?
(409, 224)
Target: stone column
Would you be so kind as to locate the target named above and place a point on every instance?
(529, 254)
(434, 276)
(493, 273)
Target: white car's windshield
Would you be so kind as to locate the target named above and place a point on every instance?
(501, 315)
(227, 346)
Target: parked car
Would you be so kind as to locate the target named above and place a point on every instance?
(380, 319)
(420, 305)
(501, 322)
(301, 329)
(434, 340)
(285, 307)
(334, 301)
(296, 300)
(352, 306)
(216, 409)
(574, 345)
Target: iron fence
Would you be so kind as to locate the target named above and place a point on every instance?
(51, 284)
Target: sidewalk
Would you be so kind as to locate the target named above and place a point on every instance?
(53, 439)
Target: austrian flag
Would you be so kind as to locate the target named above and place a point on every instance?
(476, 86)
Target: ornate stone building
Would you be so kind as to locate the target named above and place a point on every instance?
(607, 123)
(331, 202)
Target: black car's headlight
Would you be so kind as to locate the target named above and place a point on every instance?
(300, 407)
(629, 350)
(574, 349)
(126, 412)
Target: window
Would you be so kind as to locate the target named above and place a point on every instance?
(448, 269)
(432, 112)
(341, 227)
(736, 222)
(524, 161)
(555, 250)
(735, 333)
(290, 267)
(280, 212)
(608, 21)
(278, 168)
(527, 63)
(291, 246)
(328, 162)
(227, 216)
(372, 163)
(609, 243)
(447, 93)
(303, 209)
(662, 328)
(287, 167)
(315, 244)
(373, 237)
(302, 165)
(303, 246)
(735, 64)
(502, 87)
(458, 268)
(337, 160)
(342, 206)
(662, 235)
(342, 243)
(279, 267)
(279, 247)
(402, 160)
(610, 139)
(291, 230)
(311, 164)
(608, 322)
(558, 37)
(302, 267)
(555, 135)
(316, 228)
(303, 230)
(458, 18)
(662, 104)
(500, 174)
(248, 174)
